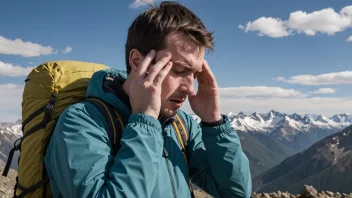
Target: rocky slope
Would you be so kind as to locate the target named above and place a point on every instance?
(263, 152)
(9, 133)
(327, 165)
(7, 183)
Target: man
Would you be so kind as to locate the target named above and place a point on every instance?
(164, 56)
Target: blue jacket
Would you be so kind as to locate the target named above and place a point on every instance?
(80, 162)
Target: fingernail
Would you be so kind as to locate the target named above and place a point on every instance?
(167, 54)
(151, 51)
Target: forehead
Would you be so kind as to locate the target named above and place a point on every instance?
(185, 52)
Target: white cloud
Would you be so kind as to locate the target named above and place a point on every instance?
(141, 3)
(68, 49)
(7, 69)
(344, 77)
(259, 92)
(263, 99)
(347, 11)
(26, 49)
(10, 106)
(349, 38)
(325, 106)
(323, 21)
(323, 91)
(241, 27)
(271, 27)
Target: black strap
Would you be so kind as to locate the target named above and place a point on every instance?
(35, 114)
(26, 191)
(41, 125)
(119, 130)
(112, 121)
(47, 116)
(19, 186)
(16, 146)
(8, 163)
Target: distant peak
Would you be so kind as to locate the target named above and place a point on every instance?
(275, 113)
(241, 114)
(307, 119)
(295, 116)
(321, 118)
(231, 114)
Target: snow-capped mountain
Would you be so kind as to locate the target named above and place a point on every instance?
(14, 128)
(269, 122)
(298, 132)
(9, 133)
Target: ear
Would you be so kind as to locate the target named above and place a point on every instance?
(135, 58)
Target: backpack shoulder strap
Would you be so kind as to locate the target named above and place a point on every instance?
(113, 120)
(182, 137)
(182, 132)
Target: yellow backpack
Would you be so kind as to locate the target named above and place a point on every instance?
(50, 88)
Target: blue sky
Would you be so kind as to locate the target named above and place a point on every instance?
(291, 56)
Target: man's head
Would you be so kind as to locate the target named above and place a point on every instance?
(172, 28)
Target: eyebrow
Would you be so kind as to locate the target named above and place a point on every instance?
(183, 64)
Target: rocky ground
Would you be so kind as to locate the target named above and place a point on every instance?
(7, 183)
(306, 192)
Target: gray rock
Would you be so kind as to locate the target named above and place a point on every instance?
(331, 194)
(308, 192)
(285, 195)
(279, 193)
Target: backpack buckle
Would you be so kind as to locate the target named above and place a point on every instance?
(17, 144)
(49, 107)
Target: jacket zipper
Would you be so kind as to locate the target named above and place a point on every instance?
(166, 156)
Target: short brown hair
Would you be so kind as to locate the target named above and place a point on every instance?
(149, 29)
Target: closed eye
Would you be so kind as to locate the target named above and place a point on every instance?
(179, 72)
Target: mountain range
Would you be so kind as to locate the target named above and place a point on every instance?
(269, 138)
(327, 165)
(270, 122)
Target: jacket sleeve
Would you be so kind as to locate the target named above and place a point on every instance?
(216, 161)
(80, 157)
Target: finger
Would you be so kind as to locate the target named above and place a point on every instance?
(133, 72)
(155, 70)
(162, 74)
(143, 66)
(206, 76)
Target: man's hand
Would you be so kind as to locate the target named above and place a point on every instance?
(145, 87)
(206, 103)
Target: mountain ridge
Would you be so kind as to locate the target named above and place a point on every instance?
(326, 165)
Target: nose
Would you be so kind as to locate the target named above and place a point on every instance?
(187, 85)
